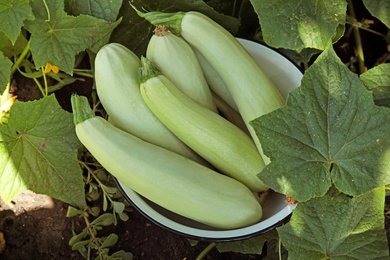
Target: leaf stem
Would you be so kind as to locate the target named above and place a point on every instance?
(47, 10)
(39, 86)
(82, 72)
(21, 57)
(280, 248)
(45, 81)
(101, 184)
(358, 40)
(354, 23)
(205, 251)
(89, 226)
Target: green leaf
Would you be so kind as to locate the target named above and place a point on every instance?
(105, 219)
(123, 216)
(10, 49)
(79, 245)
(78, 237)
(119, 207)
(94, 211)
(72, 212)
(248, 246)
(38, 152)
(5, 72)
(12, 15)
(103, 9)
(122, 255)
(330, 132)
(297, 24)
(105, 203)
(110, 240)
(56, 37)
(377, 80)
(337, 227)
(134, 32)
(380, 9)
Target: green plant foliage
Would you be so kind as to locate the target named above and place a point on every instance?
(12, 15)
(38, 152)
(298, 24)
(57, 37)
(248, 246)
(337, 227)
(107, 10)
(377, 80)
(134, 32)
(5, 66)
(380, 9)
(100, 188)
(329, 133)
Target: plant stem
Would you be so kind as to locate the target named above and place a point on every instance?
(358, 40)
(45, 81)
(97, 180)
(39, 86)
(89, 226)
(19, 60)
(85, 73)
(205, 251)
(280, 248)
(364, 28)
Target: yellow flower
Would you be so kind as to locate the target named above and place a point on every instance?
(49, 67)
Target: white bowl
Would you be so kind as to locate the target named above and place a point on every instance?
(286, 76)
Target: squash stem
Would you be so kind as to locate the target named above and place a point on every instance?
(81, 109)
(147, 70)
(170, 20)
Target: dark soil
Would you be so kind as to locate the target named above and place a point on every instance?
(36, 227)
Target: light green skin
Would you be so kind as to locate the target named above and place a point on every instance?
(175, 59)
(253, 92)
(168, 179)
(217, 140)
(214, 81)
(118, 90)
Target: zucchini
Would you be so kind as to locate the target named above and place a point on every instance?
(118, 90)
(210, 135)
(215, 82)
(229, 113)
(253, 92)
(178, 62)
(166, 178)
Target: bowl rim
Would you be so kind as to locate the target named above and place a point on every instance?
(230, 238)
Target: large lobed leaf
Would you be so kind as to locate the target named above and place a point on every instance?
(57, 37)
(297, 24)
(253, 245)
(12, 15)
(330, 132)
(38, 152)
(377, 80)
(337, 227)
(380, 9)
(103, 9)
(5, 71)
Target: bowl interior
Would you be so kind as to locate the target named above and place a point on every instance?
(286, 76)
